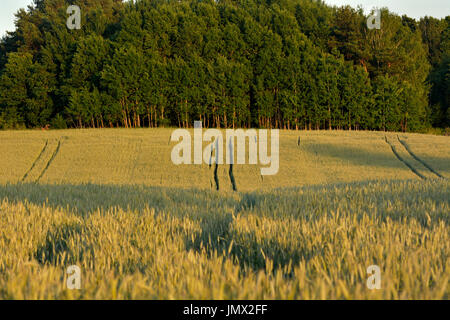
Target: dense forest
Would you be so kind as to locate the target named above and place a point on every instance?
(294, 64)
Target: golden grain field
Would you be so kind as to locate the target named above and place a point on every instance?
(139, 227)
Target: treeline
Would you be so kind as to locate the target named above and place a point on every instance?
(291, 64)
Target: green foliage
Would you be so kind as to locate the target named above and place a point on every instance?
(58, 122)
(285, 64)
(436, 36)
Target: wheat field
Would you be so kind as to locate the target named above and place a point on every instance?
(139, 227)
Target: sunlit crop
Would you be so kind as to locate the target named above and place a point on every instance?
(112, 203)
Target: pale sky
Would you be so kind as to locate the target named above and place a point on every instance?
(7, 10)
(413, 8)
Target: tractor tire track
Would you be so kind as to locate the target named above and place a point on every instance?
(216, 176)
(35, 162)
(232, 179)
(406, 163)
(55, 153)
(137, 155)
(426, 165)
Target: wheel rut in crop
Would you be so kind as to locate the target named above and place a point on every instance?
(404, 154)
(403, 160)
(136, 157)
(43, 162)
(33, 165)
(426, 165)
